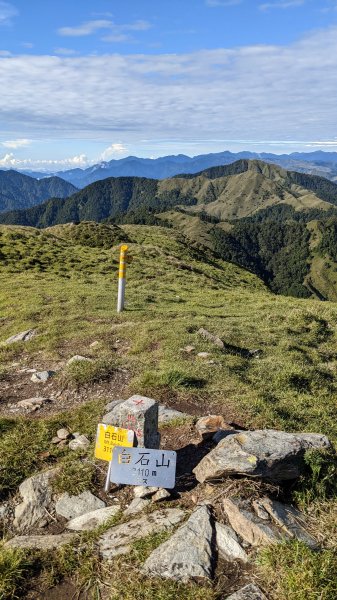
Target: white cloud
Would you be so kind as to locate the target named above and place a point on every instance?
(5, 53)
(7, 12)
(257, 92)
(10, 161)
(87, 28)
(115, 32)
(214, 3)
(113, 150)
(65, 51)
(14, 144)
(282, 5)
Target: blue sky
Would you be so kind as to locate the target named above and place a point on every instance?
(88, 81)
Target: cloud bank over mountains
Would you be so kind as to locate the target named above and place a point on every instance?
(261, 92)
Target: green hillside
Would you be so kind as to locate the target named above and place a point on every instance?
(19, 191)
(62, 283)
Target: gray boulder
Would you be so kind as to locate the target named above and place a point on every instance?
(78, 358)
(23, 336)
(188, 553)
(36, 494)
(75, 506)
(93, 519)
(118, 540)
(249, 592)
(269, 454)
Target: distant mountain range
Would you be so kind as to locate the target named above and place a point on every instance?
(319, 163)
(224, 193)
(19, 191)
(279, 224)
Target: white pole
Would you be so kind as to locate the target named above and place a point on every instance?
(122, 278)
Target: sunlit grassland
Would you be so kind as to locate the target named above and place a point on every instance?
(67, 292)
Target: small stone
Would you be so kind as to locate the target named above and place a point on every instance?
(42, 376)
(188, 349)
(136, 506)
(32, 403)
(260, 510)
(162, 494)
(56, 440)
(187, 555)
(93, 519)
(78, 358)
(165, 415)
(140, 491)
(203, 355)
(210, 337)
(75, 506)
(256, 353)
(249, 592)
(94, 344)
(4, 510)
(228, 544)
(81, 442)
(40, 542)
(63, 434)
(118, 539)
(248, 526)
(207, 426)
(24, 336)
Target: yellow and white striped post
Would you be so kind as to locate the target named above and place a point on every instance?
(122, 277)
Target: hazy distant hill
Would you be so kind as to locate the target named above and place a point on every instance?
(19, 191)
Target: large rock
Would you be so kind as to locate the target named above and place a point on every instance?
(188, 553)
(269, 454)
(228, 544)
(23, 336)
(118, 539)
(36, 494)
(75, 506)
(248, 526)
(40, 542)
(93, 519)
(249, 592)
(290, 520)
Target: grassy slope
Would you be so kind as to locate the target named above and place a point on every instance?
(69, 291)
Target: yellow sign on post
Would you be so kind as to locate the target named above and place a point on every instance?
(108, 437)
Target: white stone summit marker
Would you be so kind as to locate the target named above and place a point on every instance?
(140, 414)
